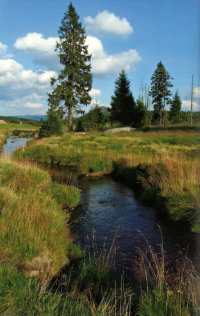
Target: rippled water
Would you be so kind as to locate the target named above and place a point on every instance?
(109, 209)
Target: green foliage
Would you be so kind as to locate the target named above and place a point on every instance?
(79, 127)
(175, 108)
(160, 82)
(51, 126)
(74, 81)
(33, 122)
(140, 114)
(122, 102)
(95, 118)
(65, 195)
(24, 296)
(14, 120)
(94, 164)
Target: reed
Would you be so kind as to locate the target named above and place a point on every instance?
(164, 290)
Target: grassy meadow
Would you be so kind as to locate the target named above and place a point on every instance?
(36, 242)
(12, 126)
(164, 164)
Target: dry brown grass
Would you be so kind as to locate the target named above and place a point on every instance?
(33, 226)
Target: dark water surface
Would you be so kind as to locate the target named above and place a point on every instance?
(109, 210)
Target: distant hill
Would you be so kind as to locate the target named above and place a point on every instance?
(23, 118)
(8, 118)
(32, 117)
(104, 109)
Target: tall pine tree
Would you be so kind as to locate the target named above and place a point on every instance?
(74, 81)
(160, 82)
(122, 102)
(175, 109)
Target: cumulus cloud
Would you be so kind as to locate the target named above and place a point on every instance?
(15, 80)
(28, 102)
(104, 64)
(20, 88)
(106, 22)
(19, 104)
(94, 93)
(44, 49)
(197, 92)
(186, 105)
(3, 51)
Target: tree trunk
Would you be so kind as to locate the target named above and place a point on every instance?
(160, 117)
(70, 125)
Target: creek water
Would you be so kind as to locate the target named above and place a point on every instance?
(109, 211)
(13, 143)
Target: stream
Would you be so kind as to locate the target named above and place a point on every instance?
(13, 143)
(109, 211)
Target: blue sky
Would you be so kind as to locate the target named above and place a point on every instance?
(132, 34)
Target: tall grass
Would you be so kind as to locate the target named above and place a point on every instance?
(172, 156)
(86, 292)
(164, 290)
(2, 139)
(33, 232)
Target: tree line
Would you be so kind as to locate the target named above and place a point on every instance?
(73, 83)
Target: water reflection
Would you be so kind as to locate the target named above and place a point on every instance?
(110, 209)
(13, 143)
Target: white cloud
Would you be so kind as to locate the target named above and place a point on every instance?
(186, 105)
(44, 49)
(197, 92)
(106, 22)
(3, 51)
(103, 64)
(15, 81)
(19, 104)
(94, 93)
(95, 103)
(32, 105)
(23, 89)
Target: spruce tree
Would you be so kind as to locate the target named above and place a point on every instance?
(95, 118)
(175, 109)
(79, 127)
(160, 82)
(74, 81)
(122, 102)
(52, 125)
(140, 114)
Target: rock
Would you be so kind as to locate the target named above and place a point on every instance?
(120, 129)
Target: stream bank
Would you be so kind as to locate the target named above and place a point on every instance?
(111, 207)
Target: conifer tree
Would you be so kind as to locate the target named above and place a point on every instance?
(160, 82)
(52, 125)
(140, 114)
(122, 102)
(74, 81)
(175, 109)
(95, 118)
